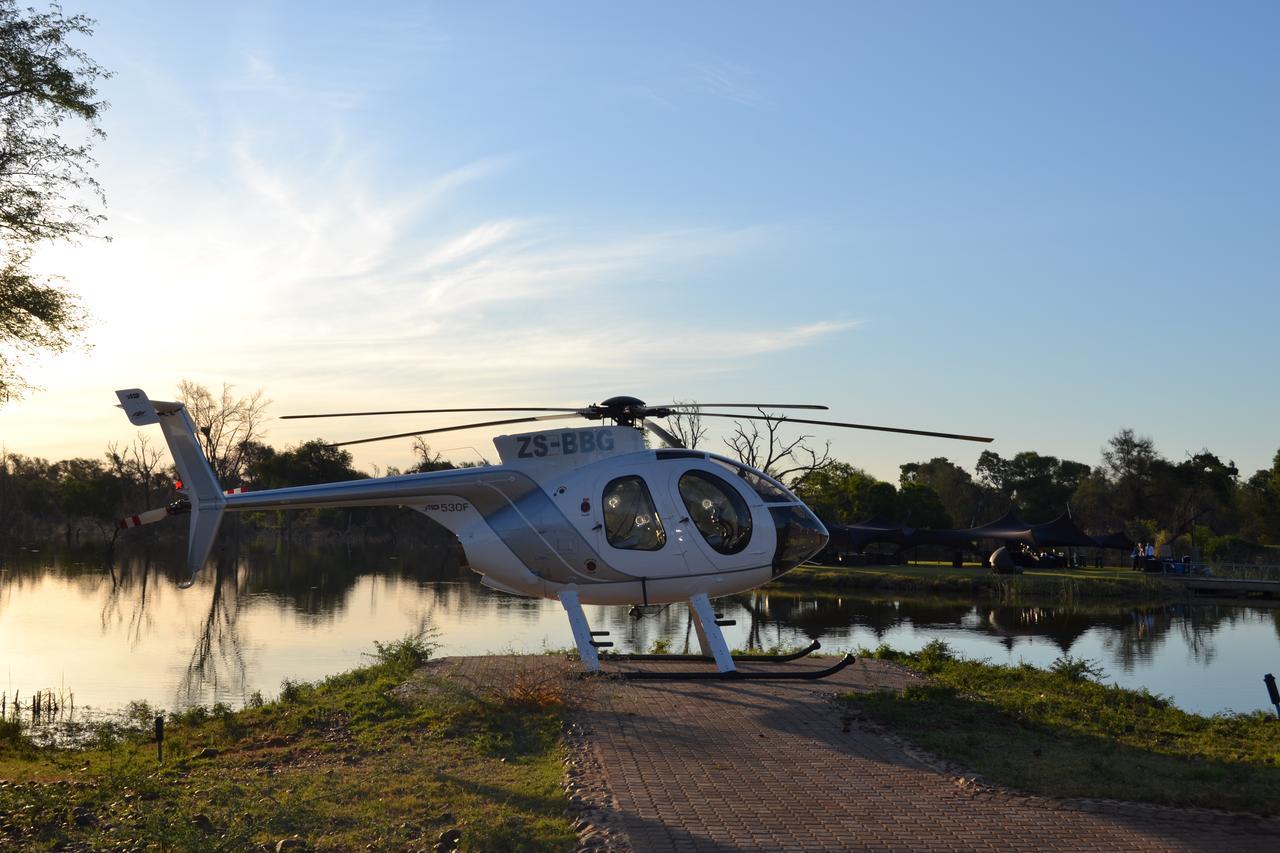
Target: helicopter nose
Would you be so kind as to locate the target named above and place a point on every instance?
(800, 536)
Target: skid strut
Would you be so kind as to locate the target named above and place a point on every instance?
(582, 633)
(710, 637)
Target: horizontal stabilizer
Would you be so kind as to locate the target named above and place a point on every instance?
(136, 405)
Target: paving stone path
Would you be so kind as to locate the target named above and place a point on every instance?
(721, 766)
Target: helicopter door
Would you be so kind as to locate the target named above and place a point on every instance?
(720, 518)
(634, 530)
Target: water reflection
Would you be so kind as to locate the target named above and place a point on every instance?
(1208, 657)
(121, 630)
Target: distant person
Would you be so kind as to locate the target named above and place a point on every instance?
(1137, 552)
(1151, 551)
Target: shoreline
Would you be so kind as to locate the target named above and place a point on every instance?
(484, 751)
(1065, 585)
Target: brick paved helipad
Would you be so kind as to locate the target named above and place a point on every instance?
(718, 766)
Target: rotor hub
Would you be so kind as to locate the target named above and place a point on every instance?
(624, 411)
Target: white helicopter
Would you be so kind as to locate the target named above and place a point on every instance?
(586, 515)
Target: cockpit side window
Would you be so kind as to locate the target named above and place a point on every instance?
(717, 510)
(630, 519)
(769, 490)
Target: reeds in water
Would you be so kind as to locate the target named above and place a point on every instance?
(45, 706)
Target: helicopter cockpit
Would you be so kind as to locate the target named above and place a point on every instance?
(800, 534)
(718, 504)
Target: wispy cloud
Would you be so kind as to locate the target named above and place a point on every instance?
(317, 276)
(641, 92)
(724, 79)
(260, 76)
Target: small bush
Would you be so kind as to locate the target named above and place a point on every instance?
(290, 691)
(936, 651)
(519, 686)
(661, 646)
(139, 714)
(11, 733)
(409, 652)
(885, 652)
(193, 716)
(1077, 669)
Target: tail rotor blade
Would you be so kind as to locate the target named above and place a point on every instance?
(151, 516)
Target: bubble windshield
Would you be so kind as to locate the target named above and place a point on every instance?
(769, 489)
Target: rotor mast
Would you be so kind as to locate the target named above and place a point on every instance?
(624, 411)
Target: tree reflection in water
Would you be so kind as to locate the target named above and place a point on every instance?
(218, 655)
(1131, 635)
(335, 601)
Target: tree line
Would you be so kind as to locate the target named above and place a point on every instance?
(82, 500)
(1197, 504)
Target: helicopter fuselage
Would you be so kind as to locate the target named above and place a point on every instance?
(593, 511)
(585, 516)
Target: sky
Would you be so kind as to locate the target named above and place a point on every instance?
(1039, 222)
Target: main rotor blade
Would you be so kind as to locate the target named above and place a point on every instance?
(452, 428)
(740, 406)
(425, 412)
(671, 440)
(851, 426)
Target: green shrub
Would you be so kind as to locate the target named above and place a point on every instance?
(11, 734)
(1077, 669)
(409, 652)
(935, 652)
(290, 690)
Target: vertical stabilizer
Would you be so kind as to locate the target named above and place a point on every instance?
(207, 501)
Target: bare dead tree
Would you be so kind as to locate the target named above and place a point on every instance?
(428, 459)
(227, 425)
(687, 425)
(136, 465)
(771, 452)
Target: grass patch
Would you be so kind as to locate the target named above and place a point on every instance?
(1062, 732)
(347, 763)
(1063, 585)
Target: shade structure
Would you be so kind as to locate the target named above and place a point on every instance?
(946, 538)
(865, 533)
(1007, 528)
(1061, 532)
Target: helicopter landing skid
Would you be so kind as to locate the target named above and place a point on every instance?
(739, 675)
(807, 650)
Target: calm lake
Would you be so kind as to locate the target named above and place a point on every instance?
(111, 635)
